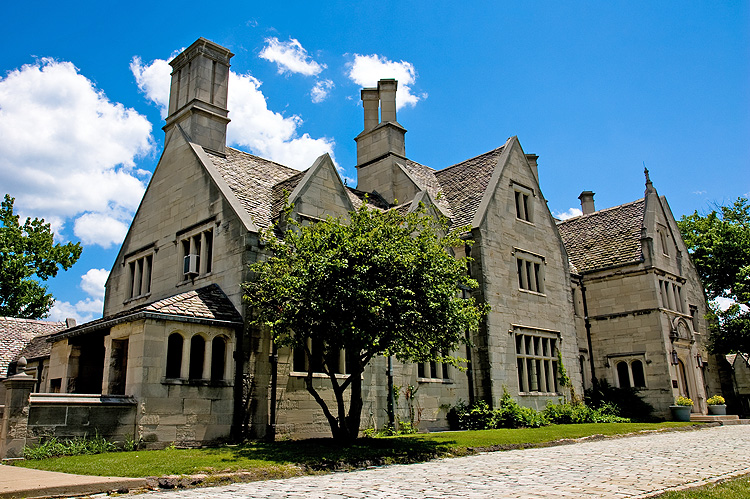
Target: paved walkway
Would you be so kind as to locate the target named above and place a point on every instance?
(17, 482)
(633, 467)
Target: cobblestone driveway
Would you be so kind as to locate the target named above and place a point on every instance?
(622, 467)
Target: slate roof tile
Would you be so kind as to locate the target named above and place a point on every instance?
(16, 334)
(464, 184)
(253, 180)
(604, 238)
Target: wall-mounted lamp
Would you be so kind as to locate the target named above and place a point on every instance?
(675, 358)
(700, 360)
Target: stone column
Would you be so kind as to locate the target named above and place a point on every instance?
(16, 414)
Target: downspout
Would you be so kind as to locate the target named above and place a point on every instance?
(239, 375)
(274, 359)
(587, 323)
(469, 371)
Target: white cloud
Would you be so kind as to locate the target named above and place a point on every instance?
(254, 126)
(321, 89)
(366, 70)
(572, 212)
(92, 282)
(150, 79)
(98, 228)
(65, 149)
(82, 311)
(290, 57)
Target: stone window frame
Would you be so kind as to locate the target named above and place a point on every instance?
(298, 363)
(196, 240)
(530, 271)
(671, 295)
(523, 202)
(663, 239)
(207, 368)
(439, 372)
(536, 360)
(139, 265)
(615, 363)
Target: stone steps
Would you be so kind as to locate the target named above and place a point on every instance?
(729, 419)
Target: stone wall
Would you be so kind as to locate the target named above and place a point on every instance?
(67, 416)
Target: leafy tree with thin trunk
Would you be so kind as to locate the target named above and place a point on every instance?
(28, 255)
(719, 244)
(378, 284)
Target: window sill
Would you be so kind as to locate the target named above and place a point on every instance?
(527, 222)
(535, 293)
(445, 381)
(136, 298)
(191, 280)
(539, 394)
(197, 382)
(300, 374)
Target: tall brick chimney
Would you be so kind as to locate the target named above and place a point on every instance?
(198, 94)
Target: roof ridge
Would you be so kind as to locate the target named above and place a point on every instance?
(259, 157)
(604, 210)
(31, 321)
(469, 159)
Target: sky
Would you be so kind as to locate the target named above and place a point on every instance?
(597, 89)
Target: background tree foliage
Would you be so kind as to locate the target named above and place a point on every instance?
(719, 243)
(380, 284)
(27, 255)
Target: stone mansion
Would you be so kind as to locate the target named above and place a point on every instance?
(612, 294)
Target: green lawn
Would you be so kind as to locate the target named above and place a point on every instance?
(289, 458)
(736, 488)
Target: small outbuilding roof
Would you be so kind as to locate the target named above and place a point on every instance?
(16, 335)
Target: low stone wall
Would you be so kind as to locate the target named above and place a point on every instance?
(63, 415)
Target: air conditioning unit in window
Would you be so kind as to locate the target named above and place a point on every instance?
(190, 264)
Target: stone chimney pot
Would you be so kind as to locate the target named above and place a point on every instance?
(587, 202)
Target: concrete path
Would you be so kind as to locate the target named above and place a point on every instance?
(18, 482)
(632, 467)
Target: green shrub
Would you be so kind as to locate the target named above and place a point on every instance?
(579, 413)
(512, 415)
(628, 402)
(53, 447)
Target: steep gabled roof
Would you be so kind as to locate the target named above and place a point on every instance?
(463, 184)
(256, 182)
(426, 179)
(16, 334)
(605, 238)
(206, 305)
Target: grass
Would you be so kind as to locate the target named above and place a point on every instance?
(734, 488)
(262, 460)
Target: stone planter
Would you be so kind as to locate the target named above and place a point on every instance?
(717, 410)
(680, 412)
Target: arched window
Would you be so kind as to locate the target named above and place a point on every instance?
(623, 375)
(174, 355)
(639, 378)
(218, 358)
(197, 352)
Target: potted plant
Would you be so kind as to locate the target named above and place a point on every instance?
(717, 406)
(681, 409)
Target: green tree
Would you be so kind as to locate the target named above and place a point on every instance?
(719, 244)
(381, 284)
(28, 255)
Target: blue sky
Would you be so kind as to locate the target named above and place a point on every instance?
(596, 89)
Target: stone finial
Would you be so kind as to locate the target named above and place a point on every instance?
(21, 364)
(649, 185)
